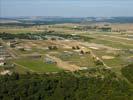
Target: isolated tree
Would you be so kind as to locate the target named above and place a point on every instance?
(77, 47)
(82, 52)
(50, 47)
(55, 48)
(73, 47)
(98, 62)
(53, 38)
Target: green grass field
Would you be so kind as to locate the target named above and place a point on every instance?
(37, 65)
(112, 44)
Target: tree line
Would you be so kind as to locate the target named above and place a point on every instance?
(42, 35)
(81, 85)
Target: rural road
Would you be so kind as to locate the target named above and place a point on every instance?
(64, 65)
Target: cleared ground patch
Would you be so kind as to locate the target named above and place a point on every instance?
(107, 57)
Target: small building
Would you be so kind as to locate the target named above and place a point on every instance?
(50, 61)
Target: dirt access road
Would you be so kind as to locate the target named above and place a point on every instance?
(63, 64)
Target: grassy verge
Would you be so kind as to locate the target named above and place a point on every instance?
(37, 65)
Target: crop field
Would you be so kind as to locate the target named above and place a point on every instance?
(66, 50)
(113, 49)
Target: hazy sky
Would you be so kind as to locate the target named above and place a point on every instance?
(68, 8)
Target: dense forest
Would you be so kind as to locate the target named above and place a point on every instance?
(92, 84)
(127, 71)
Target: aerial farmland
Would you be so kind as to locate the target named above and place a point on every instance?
(66, 61)
(65, 47)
